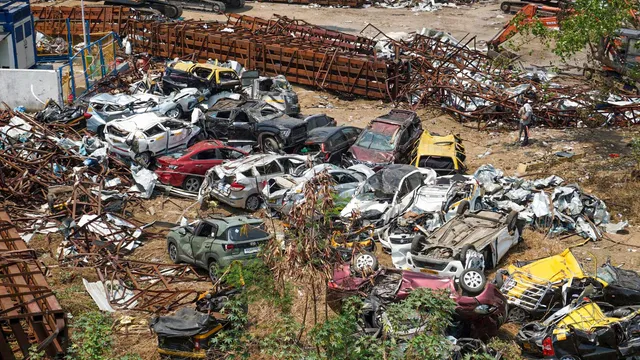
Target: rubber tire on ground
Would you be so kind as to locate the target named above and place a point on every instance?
(173, 245)
(213, 268)
(475, 275)
(177, 111)
(270, 144)
(191, 180)
(144, 159)
(252, 208)
(463, 253)
(417, 243)
(373, 263)
(512, 222)
(506, 8)
(463, 207)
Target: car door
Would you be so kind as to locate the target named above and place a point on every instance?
(242, 127)
(186, 249)
(205, 160)
(403, 198)
(201, 243)
(267, 171)
(227, 80)
(178, 134)
(157, 138)
(503, 242)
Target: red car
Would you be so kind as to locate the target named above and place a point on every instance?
(186, 168)
(480, 316)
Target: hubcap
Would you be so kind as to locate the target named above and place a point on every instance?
(253, 203)
(173, 252)
(473, 279)
(364, 261)
(213, 272)
(516, 315)
(173, 113)
(192, 185)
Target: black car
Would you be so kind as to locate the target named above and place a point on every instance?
(330, 143)
(257, 123)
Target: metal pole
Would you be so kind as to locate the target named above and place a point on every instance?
(84, 26)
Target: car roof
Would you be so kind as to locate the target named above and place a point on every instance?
(206, 145)
(187, 66)
(224, 223)
(396, 116)
(140, 121)
(435, 145)
(321, 134)
(117, 99)
(256, 160)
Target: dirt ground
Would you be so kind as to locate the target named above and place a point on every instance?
(602, 164)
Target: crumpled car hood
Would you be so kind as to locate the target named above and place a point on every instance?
(362, 206)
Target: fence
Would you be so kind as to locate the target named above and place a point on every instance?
(88, 66)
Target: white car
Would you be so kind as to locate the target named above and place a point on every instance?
(387, 194)
(144, 136)
(283, 192)
(434, 205)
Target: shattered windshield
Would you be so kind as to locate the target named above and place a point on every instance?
(385, 183)
(380, 136)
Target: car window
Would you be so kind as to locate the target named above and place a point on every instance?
(336, 140)
(241, 117)
(379, 136)
(202, 72)
(351, 133)
(223, 114)
(173, 125)
(245, 232)
(207, 155)
(412, 182)
(270, 168)
(206, 229)
(155, 130)
(228, 76)
(268, 111)
(231, 154)
(343, 178)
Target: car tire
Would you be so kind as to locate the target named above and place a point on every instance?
(364, 262)
(192, 183)
(253, 203)
(417, 243)
(463, 253)
(175, 113)
(512, 222)
(472, 281)
(212, 269)
(173, 251)
(463, 207)
(144, 159)
(270, 144)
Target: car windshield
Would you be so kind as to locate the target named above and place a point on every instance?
(245, 232)
(380, 136)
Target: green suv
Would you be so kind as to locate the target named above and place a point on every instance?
(215, 242)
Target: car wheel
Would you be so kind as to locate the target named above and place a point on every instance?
(175, 113)
(173, 252)
(213, 271)
(418, 243)
(270, 144)
(517, 315)
(463, 207)
(364, 262)
(253, 203)
(472, 281)
(144, 159)
(192, 184)
(512, 222)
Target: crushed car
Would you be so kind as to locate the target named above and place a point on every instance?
(216, 242)
(432, 206)
(282, 193)
(105, 107)
(239, 183)
(204, 76)
(186, 168)
(479, 315)
(256, 123)
(144, 136)
(388, 139)
(464, 247)
(329, 143)
(444, 154)
(275, 91)
(52, 113)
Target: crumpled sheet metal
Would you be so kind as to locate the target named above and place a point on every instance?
(547, 204)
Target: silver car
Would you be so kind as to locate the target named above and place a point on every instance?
(239, 183)
(106, 107)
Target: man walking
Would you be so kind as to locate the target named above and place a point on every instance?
(525, 113)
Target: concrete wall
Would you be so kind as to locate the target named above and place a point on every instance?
(16, 85)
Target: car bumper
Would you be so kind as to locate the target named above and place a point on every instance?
(122, 151)
(236, 200)
(446, 268)
(227, 260)
(170, 178)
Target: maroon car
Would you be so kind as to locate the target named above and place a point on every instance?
(391, 138)
(480, 316)
(186, 168)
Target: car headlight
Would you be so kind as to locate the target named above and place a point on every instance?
(484, 309)
(285, 133)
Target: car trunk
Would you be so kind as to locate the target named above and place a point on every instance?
(246, 239)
